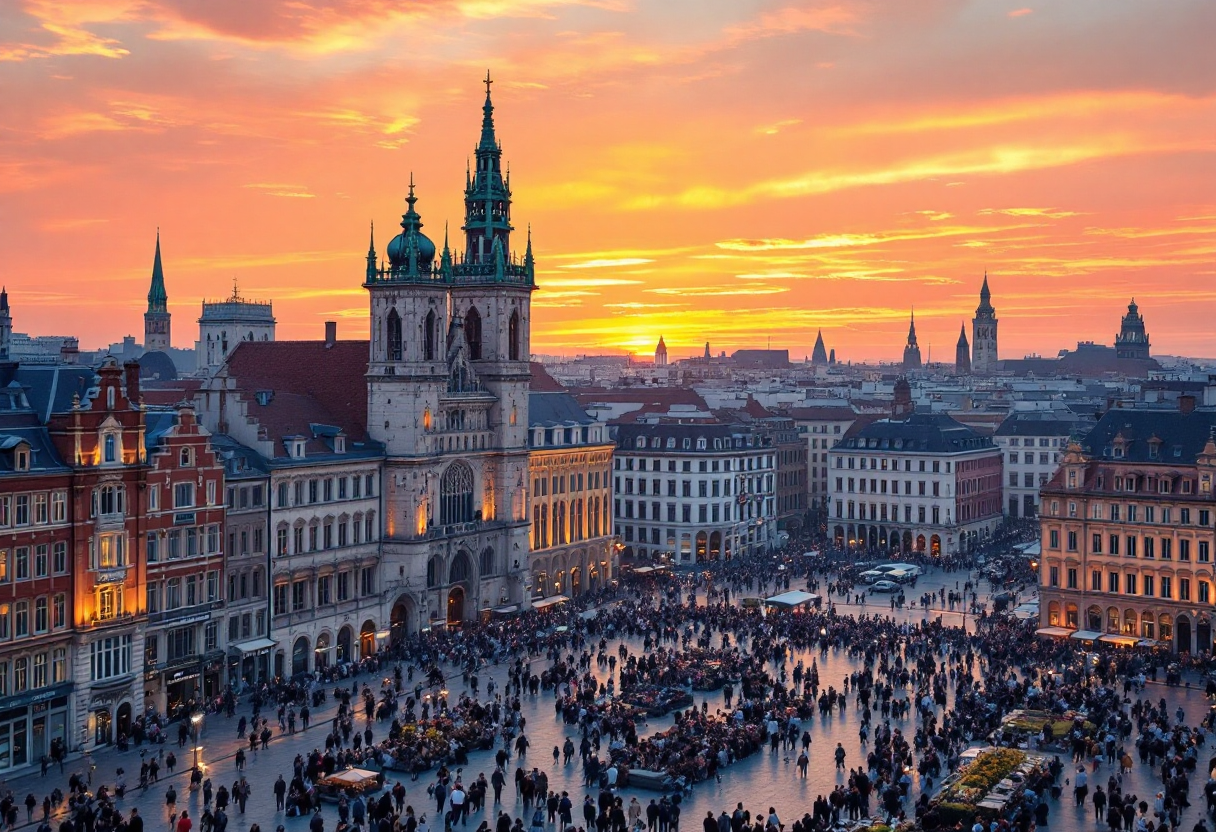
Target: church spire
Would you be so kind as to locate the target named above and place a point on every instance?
(158, 299)
(912, 330)
(487, 195)
(488, 140)
(371, 253)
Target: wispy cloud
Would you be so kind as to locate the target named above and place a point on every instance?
(1050, 213)
(608, 263)
(281, 189)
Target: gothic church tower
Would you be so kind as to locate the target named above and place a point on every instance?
(983, 335)
(157, 319)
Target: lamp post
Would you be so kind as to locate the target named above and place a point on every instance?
(196, 728)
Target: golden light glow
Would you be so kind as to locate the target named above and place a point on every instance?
(740, 174)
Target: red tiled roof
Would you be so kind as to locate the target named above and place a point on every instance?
(168, 392)
(542, 382)
(310, 382)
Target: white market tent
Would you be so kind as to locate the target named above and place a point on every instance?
(791, 600)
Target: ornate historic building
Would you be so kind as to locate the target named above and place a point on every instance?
(1132, 340)
(1127, 532)
(447, 394)
(983, 334)
(227, 323)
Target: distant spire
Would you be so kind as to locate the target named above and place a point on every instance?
(4, 299)
(488, 141)
(985, 297)
(158, 299)
(962, 334)
(912, 329)
(371, 253)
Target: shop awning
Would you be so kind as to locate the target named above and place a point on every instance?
(507, 610)
(1055, 632)
(790, 600)
(1086, 635)
(1122, 641)
(255, 646)
(551, 601)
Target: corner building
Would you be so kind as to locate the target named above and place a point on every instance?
(447, 388)
(1127, 533)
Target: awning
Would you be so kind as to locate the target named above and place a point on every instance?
(257, 645)
(1122, 641)
(1146, 642)
(791, 599)
(1086, 635)
(551, 601)
(1057, 632)
(507, 610)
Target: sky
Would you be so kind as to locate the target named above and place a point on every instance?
(737, 172)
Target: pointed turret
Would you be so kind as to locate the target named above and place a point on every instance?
(157, 319)
(6, 326)
(371, 254)
(962, 352)
(911, 348)
(985, 297)
(660, 353)
(819, 355)
(158, 299)
(983, 334)
(487, 196)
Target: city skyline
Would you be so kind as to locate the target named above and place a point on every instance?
(755, 176)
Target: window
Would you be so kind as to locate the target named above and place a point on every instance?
(1129, 583)
(173, 593)
(42, 560)
(280, 599)
(42, 514)
(39, 670)
(1053, 536)
(324, 585)
(299, 594)
(21, 619)
(22, 514)
(1072, 541)
(180, 643)
(367, 581)
(1167, 586)
(59, 611)
(1053, 574)
(1205, 555)
(456, 494)
(109, 551)
(1072, 578)
(109, 445)
(59, 665)
(21, 558)
(343, 586)
(183, 495)
(1184, 589)
(1149, 586)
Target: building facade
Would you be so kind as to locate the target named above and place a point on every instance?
(693, 491)
(1127, 533)
(181, 515)
(1032, 444)
(225, 324)
(915, 482)
(571, 548)
(821, 427)
(983, 334)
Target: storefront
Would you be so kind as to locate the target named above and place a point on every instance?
(249, 662)
(29, 723)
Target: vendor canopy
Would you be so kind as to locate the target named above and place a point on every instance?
(791, 599)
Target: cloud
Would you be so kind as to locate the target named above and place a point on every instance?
(846, 240)
(718, 291)
(1020, 12)
(587, 282)
(608, 262)
(776, 127)
(273, 189)
(1052, 213)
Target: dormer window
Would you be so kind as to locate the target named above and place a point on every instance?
(339, 444)
(671, 443)
(187, 458)
(700, 443)
(296, 448)
(21, 459)
(109, 448)
(641, 442)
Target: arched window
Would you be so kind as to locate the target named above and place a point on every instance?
(187, 457)
(428, 336)
(456, 494)
(460, 568)
(432, 572)
(559, 523)
(394, 335)
(513, 337)
(486, 563)
(472, 332)
(110, 453)
(543, 534)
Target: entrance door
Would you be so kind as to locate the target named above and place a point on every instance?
(1182, 634)
(1203, 636)
(40, 744)
(104, 732)
(456, 605)
(124, 719)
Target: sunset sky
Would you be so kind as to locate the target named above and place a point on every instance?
(730, 171)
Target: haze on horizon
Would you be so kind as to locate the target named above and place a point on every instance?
(708, 170)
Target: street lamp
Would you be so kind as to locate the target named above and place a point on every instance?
(196, 724)
(197, 750)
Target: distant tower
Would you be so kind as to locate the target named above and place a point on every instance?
(832, 356)
(912, 349)
(1132, 340)
(962, 353)
(983, 334)
(819, 355)
(660, 354)
(157, 318)
(6, 326)
(902, 404)
(706, 350)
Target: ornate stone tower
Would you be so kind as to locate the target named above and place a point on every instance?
(962, 353)
(1132, 340)
(912, 349)
(157, 319)
(448, 380)
(983, 334)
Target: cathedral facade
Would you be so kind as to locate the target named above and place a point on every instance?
(447, 387)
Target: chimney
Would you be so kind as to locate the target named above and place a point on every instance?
(1186, 403)
(131, 370)
(331, 333)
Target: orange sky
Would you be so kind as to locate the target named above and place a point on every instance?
(721, 170)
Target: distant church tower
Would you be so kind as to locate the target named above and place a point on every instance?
(962, 353)
(912, 349)
(1132, 340)
(157, 318)
(660, 354)
(6, 327)
(819, 355)
(983, 334)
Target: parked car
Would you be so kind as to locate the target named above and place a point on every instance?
(885, 586)
(872, 575)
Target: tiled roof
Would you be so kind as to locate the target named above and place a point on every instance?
(827, 413)
(542, 382)
(918, 433)
(1179, 437)
(555, 409)
(303, 383)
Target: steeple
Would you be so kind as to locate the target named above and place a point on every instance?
(157, 319)
(912, 330)
(487, 195)
(6, 326)
(912, 349)
(819, 355)
(158, 300)
(983, 334)
(985, 297)
(962, 352)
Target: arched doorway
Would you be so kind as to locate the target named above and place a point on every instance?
(367, 639)
(1182, 634)
(123, 721)
(1093, 618)
(838, 534)
(920, 543)
(702, 546)
(456, 605)
(873, 537)
(935, 546)
(907, 541)
(576, 581)
(1203, 635)
(401, 619)
(103, 733)
(299, 656)
(323, 650)
(344, 639)
(882, 537)
(715, 546)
